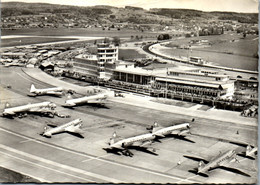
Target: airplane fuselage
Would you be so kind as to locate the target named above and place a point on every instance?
(62, 128)
(53, 90)
(218, 161)
(130, 141)
(169, 130)
(85, 99)
(25, 108)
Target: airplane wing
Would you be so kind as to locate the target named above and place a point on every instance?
(37, 109)
(160, 135)
(180, 132)
(143, 144)
(234, 170)
(74, 130)
(96, 101)
(69, 105)
(11, 113)
(51, 125)
(54, 93)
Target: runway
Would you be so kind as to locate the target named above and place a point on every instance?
(65, 158)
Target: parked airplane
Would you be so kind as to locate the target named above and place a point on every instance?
(180, 130)
(43, 108)
(142, 142)
(222, 161)
(95, 99)
(56, 91)
(72, 127)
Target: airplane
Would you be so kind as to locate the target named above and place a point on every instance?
(222, 161)
(46, 108)
(72, 127)
(95, 99)
(180, 130)
(56, 91)
(140, 142)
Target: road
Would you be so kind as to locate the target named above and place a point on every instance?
(65, 158)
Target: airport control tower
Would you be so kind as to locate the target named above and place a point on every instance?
(106, 55)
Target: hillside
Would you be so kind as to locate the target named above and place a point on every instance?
(127, 14)
(193, 14)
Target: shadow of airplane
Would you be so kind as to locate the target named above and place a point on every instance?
(195, 171)
(127, 152)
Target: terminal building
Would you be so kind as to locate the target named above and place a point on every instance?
(192, 81)
(174, 80)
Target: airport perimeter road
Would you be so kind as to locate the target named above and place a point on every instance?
(66, 158)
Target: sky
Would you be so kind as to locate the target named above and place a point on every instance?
(250, 6)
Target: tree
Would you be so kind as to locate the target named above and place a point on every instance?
(106, 40)
(116, 41)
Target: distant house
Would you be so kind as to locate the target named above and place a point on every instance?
(47, 66)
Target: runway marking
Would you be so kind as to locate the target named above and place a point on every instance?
(57, 165)
(31, 139)
(187, 179)
(100, 159)
(96, 158)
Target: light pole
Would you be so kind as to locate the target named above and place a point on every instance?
(166, 91)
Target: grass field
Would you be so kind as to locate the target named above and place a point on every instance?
(19, 41)
(243, 47)
(125, 54)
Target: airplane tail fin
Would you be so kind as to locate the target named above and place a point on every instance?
(155, 127)
(201, 165)
(45, 128)
(33, 89)
(248, 150)
(113, 138)
(7, 105)
(191, 123)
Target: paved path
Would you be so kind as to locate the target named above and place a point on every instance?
(144, 101)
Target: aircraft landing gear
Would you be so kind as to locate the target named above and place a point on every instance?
(127, 153)
(20, 116)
